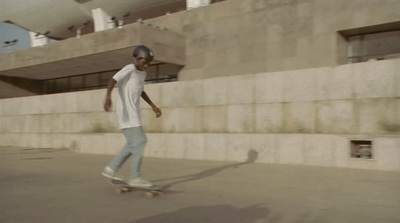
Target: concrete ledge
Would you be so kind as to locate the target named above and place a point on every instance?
(293, 149)
(95, 52)
(224, 118)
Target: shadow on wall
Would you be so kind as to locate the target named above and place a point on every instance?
(390, 127)
(100, 127)
(212, 214)
(22, 87)
(74, 146)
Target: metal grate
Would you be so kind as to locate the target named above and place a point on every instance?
(361, 149)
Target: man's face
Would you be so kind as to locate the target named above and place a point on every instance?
(142, 64)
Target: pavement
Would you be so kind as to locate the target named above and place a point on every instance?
(52, 185)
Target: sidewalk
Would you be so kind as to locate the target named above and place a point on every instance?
(47, 185)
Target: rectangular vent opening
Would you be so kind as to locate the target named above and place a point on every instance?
(361, 149)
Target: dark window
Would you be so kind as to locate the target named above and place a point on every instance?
(380, 46)
(377, 42)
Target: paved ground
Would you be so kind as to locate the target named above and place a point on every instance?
(60, 186)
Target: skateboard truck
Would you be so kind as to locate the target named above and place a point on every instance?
(150, 192)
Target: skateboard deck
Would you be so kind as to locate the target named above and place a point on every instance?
(150, 192)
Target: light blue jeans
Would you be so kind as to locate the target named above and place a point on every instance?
(136, 141)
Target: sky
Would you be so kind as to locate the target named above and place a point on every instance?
(9, 32)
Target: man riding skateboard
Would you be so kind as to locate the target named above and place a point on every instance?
(130, 82)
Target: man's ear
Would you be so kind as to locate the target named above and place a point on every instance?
(135, 60)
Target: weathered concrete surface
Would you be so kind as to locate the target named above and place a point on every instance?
(38, 185)
(304, 116)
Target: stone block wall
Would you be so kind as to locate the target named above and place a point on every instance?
(251, 36)
(300, 117)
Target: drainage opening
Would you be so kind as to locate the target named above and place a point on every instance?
(361, 149)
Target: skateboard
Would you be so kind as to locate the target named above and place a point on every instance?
(150, 192)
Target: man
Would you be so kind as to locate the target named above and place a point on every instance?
(130, 82)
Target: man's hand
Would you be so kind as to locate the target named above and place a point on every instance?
(155, 108)
(107, 104)
(157, 111)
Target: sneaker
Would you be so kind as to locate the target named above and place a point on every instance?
(110, 173)
(139, 182)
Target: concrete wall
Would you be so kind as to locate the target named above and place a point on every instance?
(290, 117)
(251, 36)
(234, 37)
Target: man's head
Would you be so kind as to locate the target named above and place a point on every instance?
(143, 57)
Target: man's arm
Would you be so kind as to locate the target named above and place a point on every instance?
(110, 87)
(155, 108)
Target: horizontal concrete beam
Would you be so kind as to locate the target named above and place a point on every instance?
(294, 149)
(101, 51)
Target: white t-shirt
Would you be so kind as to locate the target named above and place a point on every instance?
(130, 83)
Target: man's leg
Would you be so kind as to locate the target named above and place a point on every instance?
(120, 159)
(110, 171)
(136, 142)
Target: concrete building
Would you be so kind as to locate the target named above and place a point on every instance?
(305, 82)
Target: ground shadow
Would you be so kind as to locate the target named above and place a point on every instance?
(252, 156)
(211, 214)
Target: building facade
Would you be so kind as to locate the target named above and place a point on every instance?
(306, 82)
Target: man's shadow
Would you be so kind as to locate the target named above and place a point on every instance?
(252, 156)
(212, 214)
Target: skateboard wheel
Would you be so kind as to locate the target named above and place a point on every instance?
(160, 193)
(149, 194)
(119, 191)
